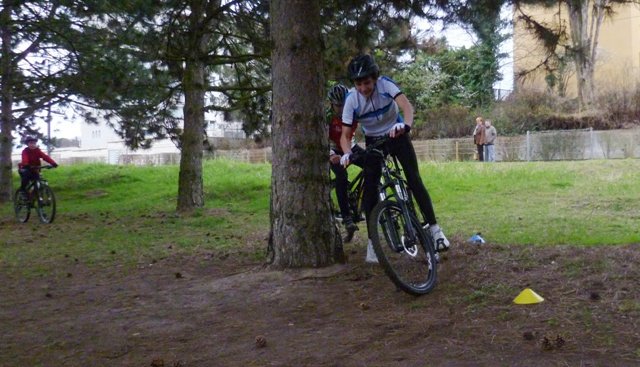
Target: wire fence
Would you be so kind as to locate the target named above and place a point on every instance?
(534, 146)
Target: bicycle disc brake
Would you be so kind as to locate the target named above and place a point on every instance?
(411, 250)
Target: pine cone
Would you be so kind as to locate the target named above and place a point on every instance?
(261, 341)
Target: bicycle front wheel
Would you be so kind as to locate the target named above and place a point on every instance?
(46, 204)
(403, 249)
(21, 206)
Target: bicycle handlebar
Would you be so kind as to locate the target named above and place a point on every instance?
(38, 167)
(372, 148)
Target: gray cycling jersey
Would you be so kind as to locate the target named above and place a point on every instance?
(376, 114)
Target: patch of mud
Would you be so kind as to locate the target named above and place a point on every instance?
(232, 312)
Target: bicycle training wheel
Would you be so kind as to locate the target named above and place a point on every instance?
(408, 260)
(46, 204)
(21, 206)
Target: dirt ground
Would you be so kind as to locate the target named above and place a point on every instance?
(227, 310)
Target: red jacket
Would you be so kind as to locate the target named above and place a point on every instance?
(335, 132)
(31, 157)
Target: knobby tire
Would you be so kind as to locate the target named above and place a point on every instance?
(46, 204)
(411, 266)
(21, 207)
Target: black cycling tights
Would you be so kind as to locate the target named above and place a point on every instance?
(342, 181)
(402, 148)
(27, 176)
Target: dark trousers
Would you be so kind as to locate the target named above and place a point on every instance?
(480, 152)
(342, 181)
(402, 148)
(26, 176)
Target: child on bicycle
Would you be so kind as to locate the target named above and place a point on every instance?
(336, 96)
(28, 167)
(375, 102)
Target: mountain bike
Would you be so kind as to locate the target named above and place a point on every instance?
(405, 249)
(37, 195)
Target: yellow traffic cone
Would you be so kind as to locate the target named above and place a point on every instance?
(527, 297)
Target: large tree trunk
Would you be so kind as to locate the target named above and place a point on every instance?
(6, 120)
(190, 185)
(190, 192)
(303, 233)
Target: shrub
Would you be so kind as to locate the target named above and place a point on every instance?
(621, 106)
(445, 122)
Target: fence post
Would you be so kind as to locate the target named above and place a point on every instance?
(457, 152)
(592, 141)
(528, 146)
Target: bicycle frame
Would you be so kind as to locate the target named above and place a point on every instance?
(354, 196)
(35, 186)
(393, 182)
(392, 185)
(355, 193)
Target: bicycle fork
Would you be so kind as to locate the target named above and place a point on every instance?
(403, 239)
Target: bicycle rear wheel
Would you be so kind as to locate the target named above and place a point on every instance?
(21, 206)
(46, 204)
(408, 260)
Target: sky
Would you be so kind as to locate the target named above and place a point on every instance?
(69, 126)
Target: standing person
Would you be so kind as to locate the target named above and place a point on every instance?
(336, 96)
(375, 102)
(489, 140)
(28, 167)
(478, 137)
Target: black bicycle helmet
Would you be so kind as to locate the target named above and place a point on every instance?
(30, 138)
(363, 66)
(337, 94)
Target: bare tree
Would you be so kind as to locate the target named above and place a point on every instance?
(580, 44)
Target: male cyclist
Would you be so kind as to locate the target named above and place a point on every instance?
(28, 167)
(336, 96)
(375, 103)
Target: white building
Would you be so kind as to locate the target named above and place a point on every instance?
(100, 143)
(103, 137)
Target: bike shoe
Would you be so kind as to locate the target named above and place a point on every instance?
(371, 255)
(441, 241)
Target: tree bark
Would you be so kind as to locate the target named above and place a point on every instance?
(190, 185)
(6, 120)
(303, 230)
(584, 34)
(190, 191)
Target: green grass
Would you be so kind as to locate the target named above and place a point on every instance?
(541, 203)
(126, 214)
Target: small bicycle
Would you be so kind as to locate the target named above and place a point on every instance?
(37, 195)
(404, 248)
